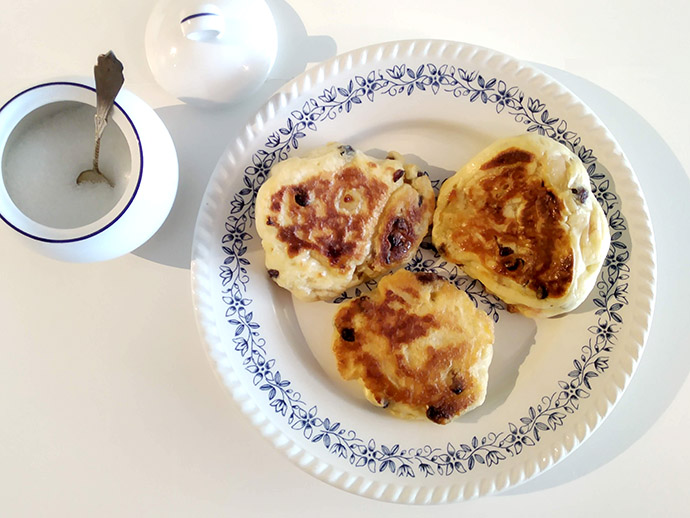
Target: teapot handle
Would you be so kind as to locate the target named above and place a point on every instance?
(203, 22)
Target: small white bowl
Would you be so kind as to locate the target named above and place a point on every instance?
(142, 202)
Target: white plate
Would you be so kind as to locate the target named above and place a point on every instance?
(552, 381)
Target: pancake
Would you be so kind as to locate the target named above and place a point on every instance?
(521, 218)
(337, 217)
(418, 345)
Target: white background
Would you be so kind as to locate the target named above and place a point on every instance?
(108, 404)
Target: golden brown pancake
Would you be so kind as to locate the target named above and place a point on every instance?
(521, 218)
(337, 217)
(418, 345)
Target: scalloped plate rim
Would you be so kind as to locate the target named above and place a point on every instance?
(358, 483)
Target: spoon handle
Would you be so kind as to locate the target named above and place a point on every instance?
(97, 152)
(109, 80)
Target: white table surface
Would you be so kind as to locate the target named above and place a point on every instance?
(108, 403)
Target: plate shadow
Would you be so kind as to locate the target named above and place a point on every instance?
(665, 363)
(514, 340)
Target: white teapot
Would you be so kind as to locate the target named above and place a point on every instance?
(211, 53)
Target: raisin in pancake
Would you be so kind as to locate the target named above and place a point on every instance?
(521, 218)
(337, 217)
(418, 345)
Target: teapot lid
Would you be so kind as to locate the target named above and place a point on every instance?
(210, 53)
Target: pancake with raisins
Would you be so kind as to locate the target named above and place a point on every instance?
(337, 217)
(521, 218)
(418, 345)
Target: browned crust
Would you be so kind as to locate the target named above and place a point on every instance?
(441, 385)
(509, 156)
(317, 224)
(404, 223)
(533, 249)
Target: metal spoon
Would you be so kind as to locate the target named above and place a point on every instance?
(109, 80)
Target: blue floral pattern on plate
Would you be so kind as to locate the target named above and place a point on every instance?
(609, 296)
